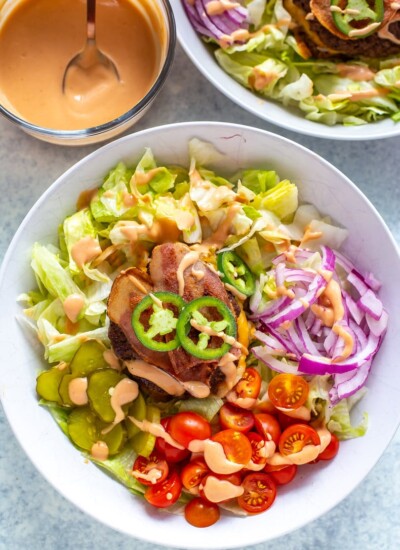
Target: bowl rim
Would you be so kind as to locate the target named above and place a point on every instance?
(282, 116)
(225, 126)
(67, 135)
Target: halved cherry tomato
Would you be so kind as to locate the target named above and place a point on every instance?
(172, 454)
(144, 466)
(236, 418)
(288, 391)
(249, 385)
(193, 473)
(201, 513)
(268, 426)
(257, 443)
(285, 421)
(284, 475)
(296, 437)
(186, 426)
(331, 450)
(236, 445)
(259, 493)
(166, 493)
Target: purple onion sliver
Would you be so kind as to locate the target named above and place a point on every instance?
(358, 282)
(372, 281)
(309, 345)
(354, 310)
(378, 327)
(272, 363)
(351, 386)
(371, 304)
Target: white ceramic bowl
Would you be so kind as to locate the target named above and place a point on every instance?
(317, 488)
(289, 118)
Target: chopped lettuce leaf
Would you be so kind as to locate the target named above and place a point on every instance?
(207, 407)
(281, 200)
(77, 227)
(340, 422)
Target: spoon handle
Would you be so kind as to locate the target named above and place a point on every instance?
(91, 20)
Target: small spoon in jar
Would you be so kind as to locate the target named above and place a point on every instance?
(90, 69)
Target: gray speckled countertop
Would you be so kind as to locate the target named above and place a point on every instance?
(32, 514)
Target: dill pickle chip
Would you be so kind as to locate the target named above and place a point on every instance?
(63, 390)
(99, 386)
(85, 429)
(47, 384)
(115, 439)
(88, 358)
(138, 410)
(143, 443)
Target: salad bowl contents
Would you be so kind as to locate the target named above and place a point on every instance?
(328, 62)
(207, 330)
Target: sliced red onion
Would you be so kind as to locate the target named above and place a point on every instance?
(372, 282)
(273, 307)
(354, 310)
(353, 384)
(378, 327)
(309, 345)
(371, 304)
(273, 363)
(218, 26)
(271, 344)
(297, 307)
(358, 282)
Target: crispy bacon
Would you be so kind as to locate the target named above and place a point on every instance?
(133, 284)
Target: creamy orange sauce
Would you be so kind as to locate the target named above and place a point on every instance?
(355, 72)
(77, 391)
(38, 38)
(85, 250)
(99, 450)
(215, 458)
(123, 393)
(73, 306)
(152, 475)
(155, 429)
(112, 360)
(218, 7)
(187, 261)
(301, 413)
(158, 376)
(220, 490)
(348, 343)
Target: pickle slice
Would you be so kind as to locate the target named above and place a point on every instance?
(47, 384)
(100, 383)
(63, 390)
(85, 429)
(138, 410)
(88, 358)
(143, 443)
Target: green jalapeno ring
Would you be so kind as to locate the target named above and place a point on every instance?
(343, 20)
(146, 337)
(184, 325)
(236, 272)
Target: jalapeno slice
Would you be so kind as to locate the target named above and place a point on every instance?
(225, 328)
(162, 320)
(236, 272)
(357, 18)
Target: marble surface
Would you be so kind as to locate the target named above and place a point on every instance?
(32, 514)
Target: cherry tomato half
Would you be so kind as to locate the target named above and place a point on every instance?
(236, 418)
(283, 476)
(257, 443)
(331, 450)
(201, 513)
(296, 437)
(193, 473)
(288, 391)
(236, 445)
(186, 426)
(166, 493)
(259, 493)
(145, 466)
(285, 421)
(249, 385)
(268, 427)
(171, 453)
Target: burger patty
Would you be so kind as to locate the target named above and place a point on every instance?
(321, 43)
